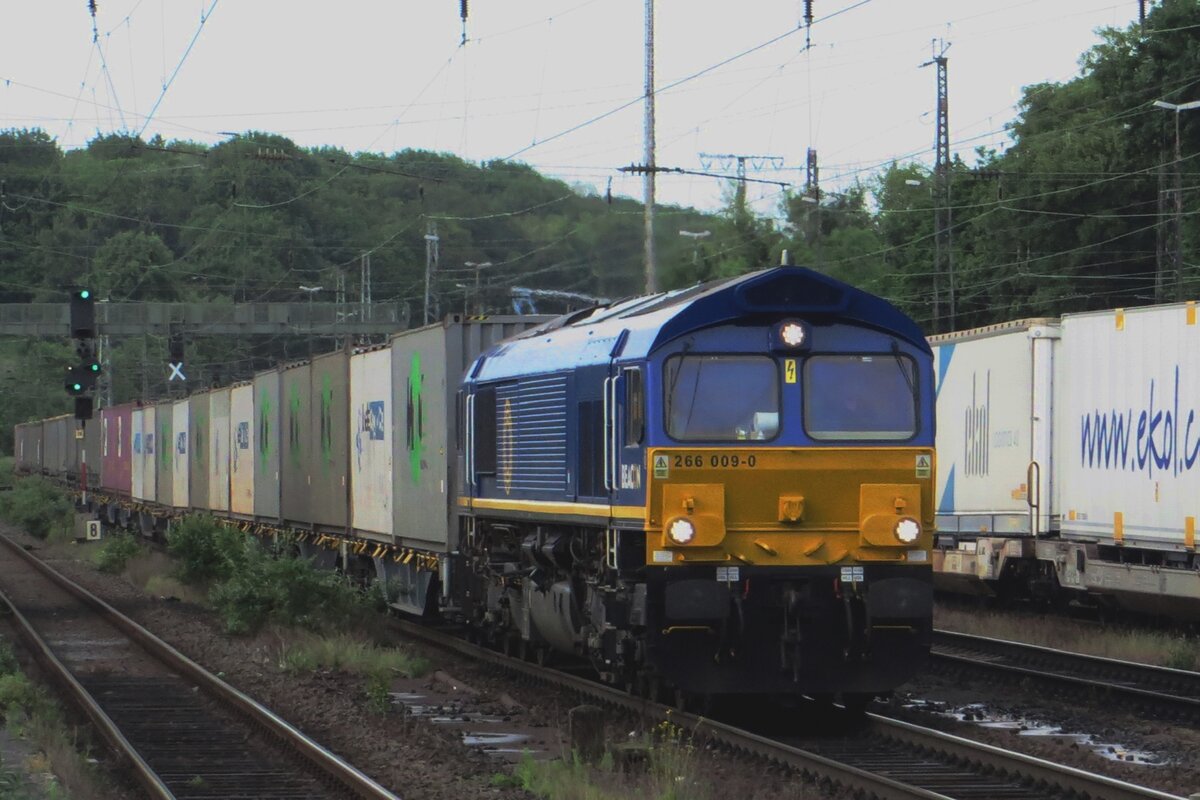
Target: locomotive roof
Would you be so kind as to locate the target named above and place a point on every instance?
(636, 326)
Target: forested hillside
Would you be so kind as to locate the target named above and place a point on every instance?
(1076, 214)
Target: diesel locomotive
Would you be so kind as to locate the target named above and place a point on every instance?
(721, 490)
(726, 489)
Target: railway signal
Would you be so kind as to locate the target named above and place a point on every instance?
(81, 379)
(83, 314)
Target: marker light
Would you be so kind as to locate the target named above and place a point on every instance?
(793, 334)
(84, 294)
(681, 531)
(907, 530)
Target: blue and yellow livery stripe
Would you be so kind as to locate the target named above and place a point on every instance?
(555, 508)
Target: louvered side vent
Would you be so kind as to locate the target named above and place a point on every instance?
(531, 435)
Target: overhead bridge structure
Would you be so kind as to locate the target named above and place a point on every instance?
(51, 320)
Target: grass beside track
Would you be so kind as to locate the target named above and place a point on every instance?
(663, 766)
(1160, 648)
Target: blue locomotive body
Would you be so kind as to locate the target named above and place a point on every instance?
(725, 489)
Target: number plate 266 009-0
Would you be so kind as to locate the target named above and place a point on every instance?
(713, 460)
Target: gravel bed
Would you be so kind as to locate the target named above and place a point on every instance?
(1174, 745)
(413, 755)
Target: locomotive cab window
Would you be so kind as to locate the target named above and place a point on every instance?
(860, 397)
(724, 398)
(635, 407)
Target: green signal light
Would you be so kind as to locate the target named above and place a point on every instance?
(95, 367)
(85, 294)
(77, 387)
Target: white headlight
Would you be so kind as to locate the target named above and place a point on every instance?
(792, 334)
(681, 531)
(907, 530)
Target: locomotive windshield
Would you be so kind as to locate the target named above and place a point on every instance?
(721, 398)
(860, 397)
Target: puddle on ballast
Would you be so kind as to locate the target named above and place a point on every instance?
(981, 715)
(511, 742)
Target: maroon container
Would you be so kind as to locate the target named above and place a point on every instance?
(116, 446)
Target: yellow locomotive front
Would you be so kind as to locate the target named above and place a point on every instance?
(789, 510)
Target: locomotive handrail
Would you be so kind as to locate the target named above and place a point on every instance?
(616, 450)
(608, 483)
(471, 439)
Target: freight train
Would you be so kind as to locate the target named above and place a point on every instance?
(1070, 451)
(721, 490)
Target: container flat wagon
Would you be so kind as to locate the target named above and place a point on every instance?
(1108, 423)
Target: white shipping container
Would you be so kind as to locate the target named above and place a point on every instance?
(218, 461)
(149, 456)
(371, 417)
(994, 429)
(241, 450)
(136, 464)
(1128, 426)
(180, 459)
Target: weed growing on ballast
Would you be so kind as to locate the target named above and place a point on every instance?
(205, 550)
(116, 551)
(37, 506)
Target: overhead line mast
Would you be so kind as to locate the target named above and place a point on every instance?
(943, 220)
(649, 175)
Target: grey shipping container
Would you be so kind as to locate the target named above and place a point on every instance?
(88, 453)
(268, 442)
(427, 366)
(198, 445)
(165, 444)
(28, 447)
(329, 462)
(295, 452)
(53, 453)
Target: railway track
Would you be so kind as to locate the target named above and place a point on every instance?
(1165, 693)
(882, 757)
(143, 698)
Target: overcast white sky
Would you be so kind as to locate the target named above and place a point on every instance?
(383, 76)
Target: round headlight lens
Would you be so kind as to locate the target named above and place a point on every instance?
(793, 334)
(681, 531)
(907, 530)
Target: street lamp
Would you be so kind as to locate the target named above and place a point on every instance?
(478, 266)
(311, 290)
(695, 236)
(1176, 226)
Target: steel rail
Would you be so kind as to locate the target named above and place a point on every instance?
(58, 672)
(1071, 780)
(1066, 780)
(334, 767)
(1125, 679)
(711, 730)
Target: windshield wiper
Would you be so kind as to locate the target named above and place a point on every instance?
(670, 404)
(908, 378)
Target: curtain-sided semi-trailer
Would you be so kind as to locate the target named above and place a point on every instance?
(1070, 459)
